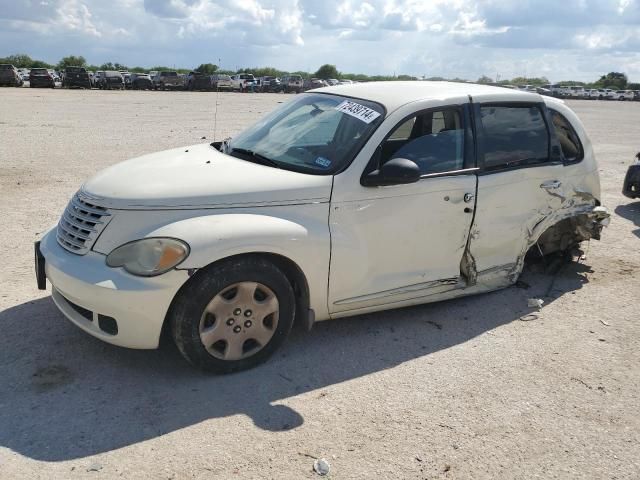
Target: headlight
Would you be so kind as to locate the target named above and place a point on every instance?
(150, 256)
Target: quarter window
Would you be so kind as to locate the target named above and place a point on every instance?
(569, 141)
(433, 140)
(513, 136)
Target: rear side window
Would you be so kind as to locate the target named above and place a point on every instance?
(513, 136)
(569, 141)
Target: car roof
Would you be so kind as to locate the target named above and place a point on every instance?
(394, 94)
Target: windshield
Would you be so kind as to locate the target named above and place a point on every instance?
(39, 71)
(315, 133)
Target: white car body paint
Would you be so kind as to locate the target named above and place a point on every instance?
(360, 248)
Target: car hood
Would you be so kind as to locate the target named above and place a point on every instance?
(199, 176)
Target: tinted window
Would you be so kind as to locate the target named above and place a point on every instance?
(569, 141)
(513, 136)
(434, 140)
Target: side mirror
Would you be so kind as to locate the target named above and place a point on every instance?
(396, 171)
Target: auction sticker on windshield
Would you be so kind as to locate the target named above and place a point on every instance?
(366, 114)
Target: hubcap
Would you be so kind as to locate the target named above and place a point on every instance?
(239, 321)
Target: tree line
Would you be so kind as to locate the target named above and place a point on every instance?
(614, 80)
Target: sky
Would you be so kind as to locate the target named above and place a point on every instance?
(559, 39)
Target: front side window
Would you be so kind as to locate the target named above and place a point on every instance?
(569, 141)
(513, 136)
(433, 140)
(315, 133)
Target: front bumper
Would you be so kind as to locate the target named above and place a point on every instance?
(631, 186)
(89, 294)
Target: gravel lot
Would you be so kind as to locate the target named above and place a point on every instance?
(460, 389)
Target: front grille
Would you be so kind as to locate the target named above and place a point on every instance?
(80, 225)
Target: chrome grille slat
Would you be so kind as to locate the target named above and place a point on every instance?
(71, 231)
(81, 224)
(70, 241)
(78, 222)
(88, 207)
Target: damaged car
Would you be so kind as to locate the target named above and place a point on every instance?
(342, 201)
(631, 186)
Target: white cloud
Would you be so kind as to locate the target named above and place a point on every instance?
(450, 38)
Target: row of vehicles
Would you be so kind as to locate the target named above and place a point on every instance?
(581, 92)
(79, 77)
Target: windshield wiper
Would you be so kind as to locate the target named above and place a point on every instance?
(257, 157)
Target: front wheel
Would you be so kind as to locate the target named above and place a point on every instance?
(234, 315)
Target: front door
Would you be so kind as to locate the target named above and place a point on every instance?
(395, 244)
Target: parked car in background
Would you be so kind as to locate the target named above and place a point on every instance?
(224, 246)
(55, 75)
(292, 83)
(636, 95)
(350, 82)
(198, 81)
(622, 95)
(76, 77)
(269, 84)
(333, 82)
(97, 78)
(312, 83)
(41, 77)
(111, 80)
(126, 77)
(9, 76)
(243, 82)
(168, 80)
(24, 74)
(141, 81)
(220, 81)
(631, 186)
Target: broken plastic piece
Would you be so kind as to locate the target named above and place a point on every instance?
(535, 302)
(321, 466)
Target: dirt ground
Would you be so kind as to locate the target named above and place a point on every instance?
(462, 389)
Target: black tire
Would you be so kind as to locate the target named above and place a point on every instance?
(190, 303)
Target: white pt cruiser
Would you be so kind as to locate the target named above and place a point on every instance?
(345, 200)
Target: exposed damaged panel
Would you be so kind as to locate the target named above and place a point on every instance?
(552, 226)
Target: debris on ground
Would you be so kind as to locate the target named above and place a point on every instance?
(529, 317)
(604, 323)
(535, 303)
(321, 466)
(94, 467)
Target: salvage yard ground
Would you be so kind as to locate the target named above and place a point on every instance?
(469, 388)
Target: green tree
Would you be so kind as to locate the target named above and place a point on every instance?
(71, 61)
(207, 68)
(484, 79)
(529, 81)
(327, 71)
(614, 80)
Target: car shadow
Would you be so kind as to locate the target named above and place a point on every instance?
(65, 395)
(630, 211)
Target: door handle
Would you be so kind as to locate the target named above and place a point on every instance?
(468, 197)
(551, 185)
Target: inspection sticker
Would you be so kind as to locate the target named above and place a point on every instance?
(366, 114)
(323, 162)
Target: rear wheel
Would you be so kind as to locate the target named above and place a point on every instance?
(234, 315)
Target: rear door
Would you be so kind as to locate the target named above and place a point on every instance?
(519, 183)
